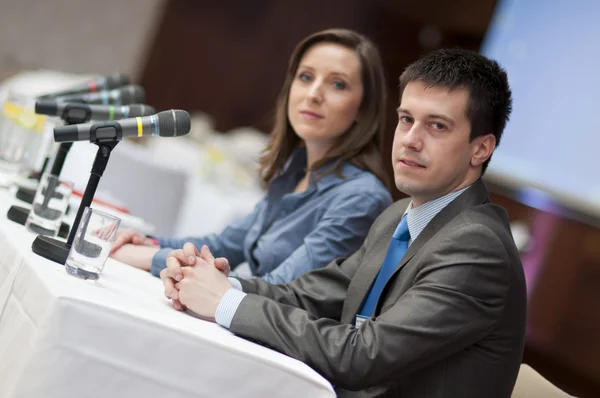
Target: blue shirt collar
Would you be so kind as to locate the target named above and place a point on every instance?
(420, 216)
(297, 165)
(332, 179)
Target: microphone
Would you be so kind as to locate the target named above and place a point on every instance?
(171, 123)
(84, 112)
(131, 94)
(91, 86)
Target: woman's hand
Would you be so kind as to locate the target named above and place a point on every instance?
(132, 236)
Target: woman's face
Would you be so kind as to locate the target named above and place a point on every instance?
(325, 95)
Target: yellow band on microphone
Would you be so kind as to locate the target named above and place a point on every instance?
(140, 128)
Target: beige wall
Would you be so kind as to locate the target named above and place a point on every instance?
(76, 36)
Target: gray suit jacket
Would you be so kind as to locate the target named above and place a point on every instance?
(449, 323)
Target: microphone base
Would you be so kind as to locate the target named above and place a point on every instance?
(19, 215)
(26, 194)
(52, 249)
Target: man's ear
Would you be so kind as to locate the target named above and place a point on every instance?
(482, 148)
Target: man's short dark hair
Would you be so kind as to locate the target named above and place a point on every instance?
(490, 101)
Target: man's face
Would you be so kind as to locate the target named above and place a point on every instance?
(431, 154)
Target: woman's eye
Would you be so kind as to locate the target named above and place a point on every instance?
(340, 85)
(305, 77)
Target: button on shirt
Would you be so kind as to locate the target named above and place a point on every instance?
(417, 219)
(290, 233)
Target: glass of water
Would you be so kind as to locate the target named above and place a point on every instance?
(94, 238)
(49, 205)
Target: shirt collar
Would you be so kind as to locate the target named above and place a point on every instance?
(420, 216)
(297, 164)
(332, 179)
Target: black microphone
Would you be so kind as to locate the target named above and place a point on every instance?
(132, 94)
(85, 112)
(171, 123)
(91, 86)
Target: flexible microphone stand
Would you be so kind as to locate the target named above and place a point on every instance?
(57, 250)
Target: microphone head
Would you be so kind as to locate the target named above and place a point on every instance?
(132, 94)
(117, 80)
(136, 110)
(173, 123)
(46, 107)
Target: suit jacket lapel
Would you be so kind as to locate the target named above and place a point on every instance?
(371, 263)
(475, 195)
(366, 274)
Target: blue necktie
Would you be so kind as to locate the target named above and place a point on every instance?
(396, 250)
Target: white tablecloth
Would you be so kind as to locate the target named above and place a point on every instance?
(119, 337)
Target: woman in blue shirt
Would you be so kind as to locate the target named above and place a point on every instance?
(323, 168)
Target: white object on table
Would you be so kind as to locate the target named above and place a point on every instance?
(61, 337)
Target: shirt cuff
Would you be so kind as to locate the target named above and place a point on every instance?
(235, 284)
(162, 241)
(228, 307)
(159, 261)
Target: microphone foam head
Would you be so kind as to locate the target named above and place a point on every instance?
(116, 80)
(173, 123)
(132, 94)
(46, 107)
(136, 110)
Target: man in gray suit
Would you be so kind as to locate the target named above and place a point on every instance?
(433, 304)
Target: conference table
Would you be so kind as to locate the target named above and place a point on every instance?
(61, 336)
